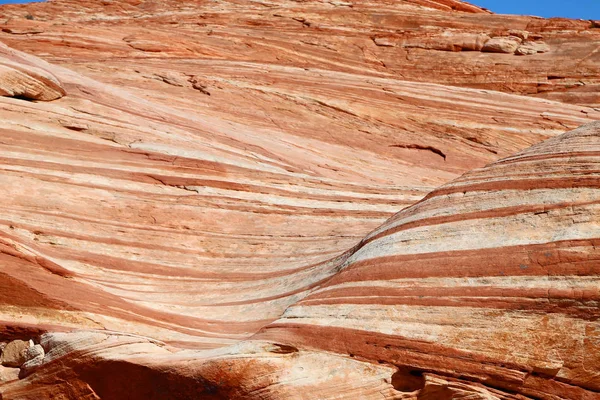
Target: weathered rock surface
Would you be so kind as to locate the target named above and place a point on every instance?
(8, 374)
(494, 275)
(198, 219)
(214, 166)
(530, 48)
(485, 289)
(330, 35)
(502, 45)
(15, 353)
(34, 358)
(19, 77)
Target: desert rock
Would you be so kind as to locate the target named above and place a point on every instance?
(506, 45)
(22, 78)
(8, 374)
(257, 200)
(343, 40)
(34, 357)
(15, 353)
(521, 34)
(425, 268)
(499, 265)
(530, 48)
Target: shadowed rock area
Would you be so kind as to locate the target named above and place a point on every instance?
(205, 203)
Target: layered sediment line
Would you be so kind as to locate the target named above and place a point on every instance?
(210, 208)
(492, 279)
(459, 295)
(132, 215)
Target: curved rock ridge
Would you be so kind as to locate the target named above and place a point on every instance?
(417, 40)
(491, 282)
(485, 289)
(19, 78)
(215, 167)
(190, 219)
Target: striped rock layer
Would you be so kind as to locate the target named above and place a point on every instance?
(191, 217)
(492, 279)
(25, 77)
(485, 289)
(438, 41)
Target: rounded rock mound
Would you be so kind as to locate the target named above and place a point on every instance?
(20, 78)
(490, 283)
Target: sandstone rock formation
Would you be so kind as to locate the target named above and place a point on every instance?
(507, 45)
(319, 35)
(20, 78)
(8, 374)
(15, 353)
(485, 289)
(190, 218)
(491, 279)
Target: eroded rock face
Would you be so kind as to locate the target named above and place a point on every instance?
(19, 78)
(215, 165)
(500, 265)
(506, 45)
(464, 294)
(8, 374)
(15, 353)
(419, 40)
(198, 219)
(531, 48)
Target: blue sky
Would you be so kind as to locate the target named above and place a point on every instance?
(584, 9)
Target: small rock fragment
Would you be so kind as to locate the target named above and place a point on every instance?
(15, 353)
(506, 45)
(8, 374)
(524, 35)
(34, 352)
(525, 51)
(198, 85)
(471, 42)
(35, 358)
(74, 125)
(530, 48)
(170, 79)
(384, 41)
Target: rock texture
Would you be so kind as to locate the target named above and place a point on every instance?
(417, 40)
(34, 358)
(8, 374)
(485, 289)
(491, 279)
(190, 218)
(20, 77)
(15, 353)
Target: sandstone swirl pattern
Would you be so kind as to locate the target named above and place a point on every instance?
(190, 218)
(492, 278)
(486, 289)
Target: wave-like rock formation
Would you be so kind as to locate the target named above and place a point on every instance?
(187, 217)
(486, 289)
(492, 278)
(439, 41)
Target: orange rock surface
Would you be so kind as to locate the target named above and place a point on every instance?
(193, 202)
